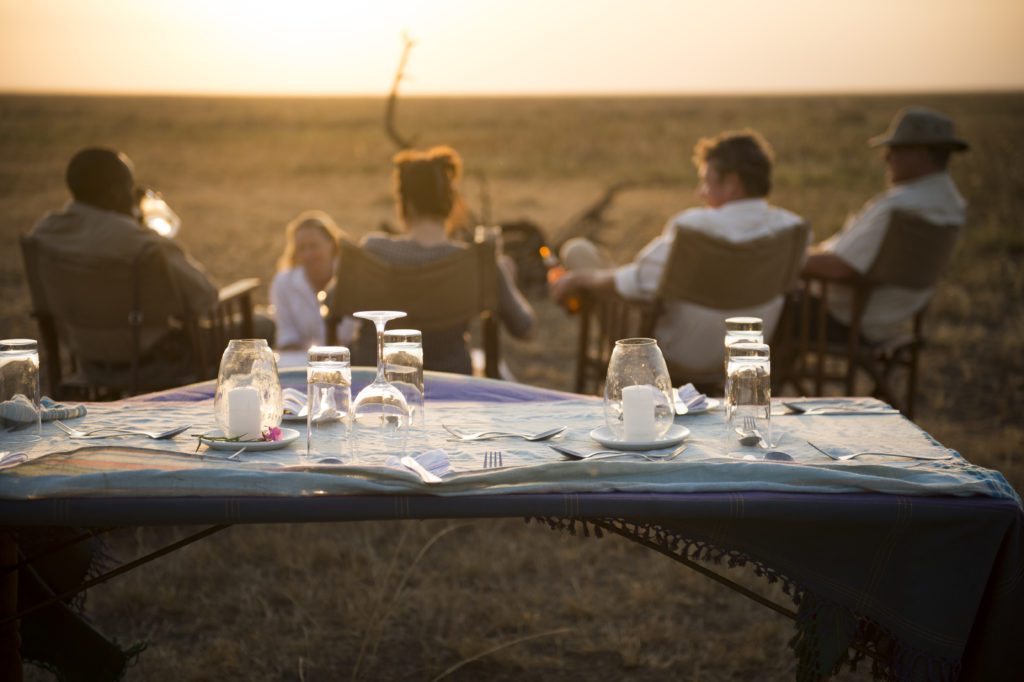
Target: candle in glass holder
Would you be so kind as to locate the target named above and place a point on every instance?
(244, 413)
(638, 413)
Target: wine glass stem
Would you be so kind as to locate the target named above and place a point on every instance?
(380, 349)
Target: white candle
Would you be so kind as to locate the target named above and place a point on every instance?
(244, 413)
(638, 412)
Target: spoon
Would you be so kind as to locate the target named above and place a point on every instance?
(771, 455)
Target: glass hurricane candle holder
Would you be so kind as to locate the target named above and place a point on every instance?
(248, 400)
(638, 401)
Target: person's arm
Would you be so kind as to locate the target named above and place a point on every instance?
(825, 265)
(576, 282)
(193, 282)
(516, 312)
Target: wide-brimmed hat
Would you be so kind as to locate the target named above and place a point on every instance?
(919, 125)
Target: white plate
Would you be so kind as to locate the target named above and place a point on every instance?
(287, 437)
(288, 417)
(675, 434)
(710, 404)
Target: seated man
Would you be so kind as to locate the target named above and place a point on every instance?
(918, 146)
(735, 170)
(101, 220)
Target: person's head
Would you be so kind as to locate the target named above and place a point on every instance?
(919, 142)
(733, 165)
(311, 241)
(426, 184)
(104, 178)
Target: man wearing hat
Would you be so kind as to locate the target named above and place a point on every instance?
(918, 146)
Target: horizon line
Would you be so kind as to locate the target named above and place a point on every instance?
(880, 92)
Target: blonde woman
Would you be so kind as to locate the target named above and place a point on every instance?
(304, 271)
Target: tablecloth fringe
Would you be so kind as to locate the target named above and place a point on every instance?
(817, 659)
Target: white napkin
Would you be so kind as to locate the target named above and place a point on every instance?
(435, 461)
(11, 459)
(691, 398)
(294, 402)
(19, 409)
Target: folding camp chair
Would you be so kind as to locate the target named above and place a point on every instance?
(701, 269)
(436, 296)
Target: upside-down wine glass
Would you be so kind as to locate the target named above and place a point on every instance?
(380, 412)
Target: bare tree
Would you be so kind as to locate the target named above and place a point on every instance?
(400, 141)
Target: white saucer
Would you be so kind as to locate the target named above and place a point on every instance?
(287, 437)
(675, 434)
(289, 417)
(709, 404)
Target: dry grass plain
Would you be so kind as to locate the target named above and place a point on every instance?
(390, 601)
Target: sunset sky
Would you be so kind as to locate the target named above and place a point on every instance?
(342, 47)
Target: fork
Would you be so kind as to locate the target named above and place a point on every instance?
(751, 433)
(492, 459)
(487, 435)
(111, 431)
(850, 455)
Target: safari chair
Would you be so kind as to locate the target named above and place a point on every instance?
(105, 325)
(701, 269)
(436, 296)
(914, 255)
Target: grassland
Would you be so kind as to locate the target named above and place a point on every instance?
(325, 602)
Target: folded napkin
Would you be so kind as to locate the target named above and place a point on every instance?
(435, 461)
(10, 459)
(294, 402)
(19, 409)
(838, 406)
(693, 399)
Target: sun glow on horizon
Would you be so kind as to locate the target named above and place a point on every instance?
(337, 47)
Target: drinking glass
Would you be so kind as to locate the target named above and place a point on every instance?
(749, 390)
(20, 411)
(248, 400)
(403, 368)
(741, 330)
(328, 401)
(380, 413)
(638, 403)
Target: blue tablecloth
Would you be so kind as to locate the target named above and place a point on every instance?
(920, 561)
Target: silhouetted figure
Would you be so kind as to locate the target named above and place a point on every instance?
(735, 170)
(918, 146)
(429, 209)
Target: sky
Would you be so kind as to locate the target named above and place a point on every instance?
(352, 47)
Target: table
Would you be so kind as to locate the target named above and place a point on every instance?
(919, 563)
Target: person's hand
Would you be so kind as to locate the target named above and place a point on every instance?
(566, 286)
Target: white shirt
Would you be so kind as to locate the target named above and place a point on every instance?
(933, 197)
(297, 312)
(691, 335)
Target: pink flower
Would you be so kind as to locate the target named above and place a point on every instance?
(273, 433)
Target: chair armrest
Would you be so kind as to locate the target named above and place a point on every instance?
(238, 289)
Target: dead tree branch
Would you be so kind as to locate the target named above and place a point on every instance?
(400, 141)
(590, 221)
